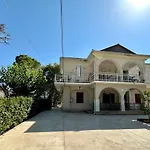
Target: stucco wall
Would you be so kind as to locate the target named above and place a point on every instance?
(69, 98)
(134, 71)
(107, 66)
(70, 65)
(121, 88)
(132, 95)
(120, 61)
(147, 76)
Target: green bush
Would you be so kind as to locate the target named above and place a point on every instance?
(13, 111)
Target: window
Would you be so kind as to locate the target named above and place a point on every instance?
(79, 97)
(137, 99)
(79, 70)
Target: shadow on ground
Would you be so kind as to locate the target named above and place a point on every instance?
(55, 120)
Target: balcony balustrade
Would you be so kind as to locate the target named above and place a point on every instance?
(107, 77)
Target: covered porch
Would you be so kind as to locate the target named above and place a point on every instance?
(118, 98)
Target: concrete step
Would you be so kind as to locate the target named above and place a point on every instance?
(136, 112)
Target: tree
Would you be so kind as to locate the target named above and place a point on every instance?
(146, 103)
(4, 36)
(23, 77)
(50, 71)
(24, 60)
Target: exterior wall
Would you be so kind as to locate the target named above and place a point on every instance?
(121, 88)
(92, 94)
(132, 98)
(135, 70)
(107, 66)
(69, 98)
(95, 63)
(66, 98)
(70, 65)
(120, 61)
(147, 76)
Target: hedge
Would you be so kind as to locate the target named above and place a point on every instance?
(13, 111)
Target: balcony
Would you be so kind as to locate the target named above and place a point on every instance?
(107, 77)
(84, 78)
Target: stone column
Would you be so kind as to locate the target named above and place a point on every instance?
(96, 100)
(121, 74)
(96, 69)
(122, 102)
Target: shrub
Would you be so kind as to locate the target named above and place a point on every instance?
(13, 111)
(146, 103)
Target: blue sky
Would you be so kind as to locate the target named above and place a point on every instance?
(34, 26)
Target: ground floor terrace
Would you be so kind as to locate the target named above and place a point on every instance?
(58, 130)
(102, 97)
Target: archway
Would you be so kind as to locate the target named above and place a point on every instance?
(108, 66)
(132, 99)
(108, 70)
(109, 99)
(133, 72)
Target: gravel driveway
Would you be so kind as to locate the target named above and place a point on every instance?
(55, 130)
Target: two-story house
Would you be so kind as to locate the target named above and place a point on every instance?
(108, 79)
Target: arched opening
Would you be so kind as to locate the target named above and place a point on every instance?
(108, 66)
(108, 71)
(132, 72)
(132, 99)
(110, 99)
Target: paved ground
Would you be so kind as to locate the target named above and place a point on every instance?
(54, 130)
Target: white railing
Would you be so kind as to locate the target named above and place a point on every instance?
(108, 77)
(114, 77)
(72, 78)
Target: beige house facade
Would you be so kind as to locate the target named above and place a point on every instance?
(108, 79)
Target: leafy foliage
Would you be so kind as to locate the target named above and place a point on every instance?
(4, 37)
(24, 60)
(146, 103)
(50, 71)
(23, 77)
(13, 111)
(26, 77)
